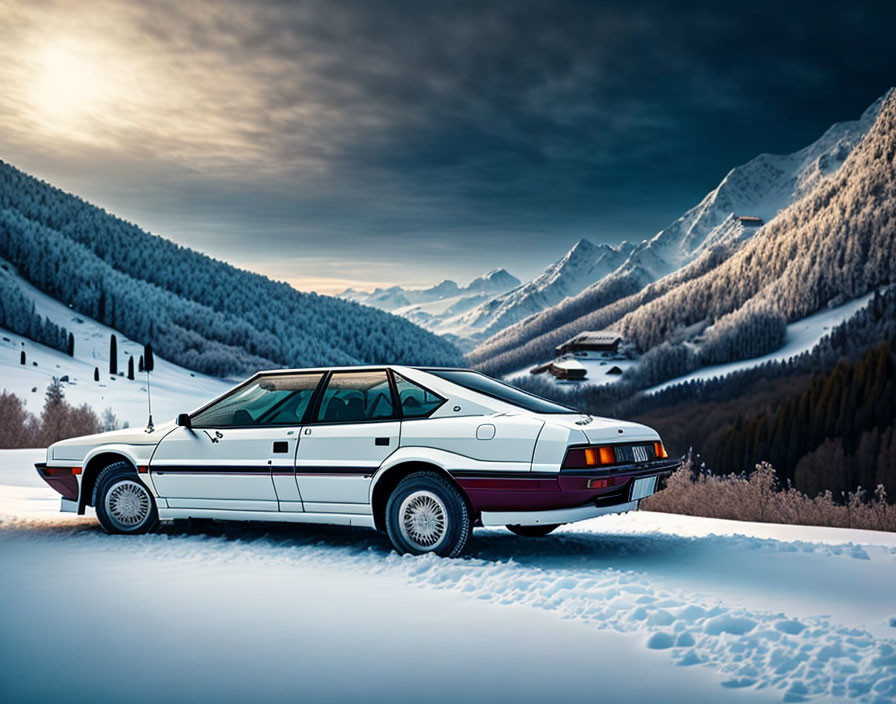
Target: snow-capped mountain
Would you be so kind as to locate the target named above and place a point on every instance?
(494, 282)
(595, 275)
(760, 188)
(581, 266)
(395, 297)
(435, 308)
(740, 208)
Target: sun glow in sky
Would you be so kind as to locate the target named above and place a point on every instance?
(69, 86)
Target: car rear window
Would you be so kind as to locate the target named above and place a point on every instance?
(499, 390)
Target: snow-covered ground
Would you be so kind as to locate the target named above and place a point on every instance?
(633, 608)
(174, 389)
(801, 337)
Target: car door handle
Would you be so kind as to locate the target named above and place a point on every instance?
(382, 441)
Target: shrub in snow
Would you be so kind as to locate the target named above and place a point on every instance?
(109, 420)
(757, 497)
(58, 420)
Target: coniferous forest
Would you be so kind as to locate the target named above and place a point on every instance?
(198, 312)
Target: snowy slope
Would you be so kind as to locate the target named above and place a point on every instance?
(174, 389)
(639, 607)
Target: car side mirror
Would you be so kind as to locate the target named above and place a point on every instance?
(184, 421)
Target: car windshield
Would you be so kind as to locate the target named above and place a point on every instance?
(499, 390)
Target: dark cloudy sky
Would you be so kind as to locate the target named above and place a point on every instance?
(360, 143)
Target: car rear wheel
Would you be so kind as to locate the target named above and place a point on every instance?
(123, 503)
(533, 531)
(426, 513)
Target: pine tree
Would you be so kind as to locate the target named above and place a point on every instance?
(130, 368)
(71, 345)
(96, 373)
(55, 393)
(22, 359)
(140, 366)
(113, 354)
(148, 359)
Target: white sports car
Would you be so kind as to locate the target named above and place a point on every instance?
(423, 454)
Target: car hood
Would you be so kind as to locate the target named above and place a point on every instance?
(77, 448)
(601, 430)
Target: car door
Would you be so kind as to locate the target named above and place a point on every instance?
(355, 427)
(238, 454)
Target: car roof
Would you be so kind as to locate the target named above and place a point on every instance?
(357, 367)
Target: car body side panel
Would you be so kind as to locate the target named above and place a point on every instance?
(228, 468)
(495, 438)
(336, 462)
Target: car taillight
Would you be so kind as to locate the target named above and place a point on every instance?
(660, 450)
(587, 457)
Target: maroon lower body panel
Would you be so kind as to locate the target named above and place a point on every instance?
(522, 492)
(517, 494)
(61, 479)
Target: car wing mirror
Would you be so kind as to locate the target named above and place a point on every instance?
(184, 420)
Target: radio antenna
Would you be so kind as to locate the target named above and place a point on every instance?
(148, 364)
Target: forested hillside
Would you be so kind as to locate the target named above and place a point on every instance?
(197, 311)
(835, 242)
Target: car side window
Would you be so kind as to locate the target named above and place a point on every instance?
(269, 400)
(356, 396)
(416, 402)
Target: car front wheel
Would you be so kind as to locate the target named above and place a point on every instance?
(123, 503)
(533, 531)
(426, 513)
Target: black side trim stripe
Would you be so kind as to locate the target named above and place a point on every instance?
(498, 474)
(213, 469)
(260, 469)
(304, 469)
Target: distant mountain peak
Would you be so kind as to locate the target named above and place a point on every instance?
(495, 281)
(582, 246)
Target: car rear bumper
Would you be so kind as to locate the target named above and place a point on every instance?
(562, 515)
(577, 490)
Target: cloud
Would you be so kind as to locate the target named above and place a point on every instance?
(401, 124)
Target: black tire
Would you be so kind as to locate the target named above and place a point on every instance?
(534, 531)
(119, 486)
(434, 510)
